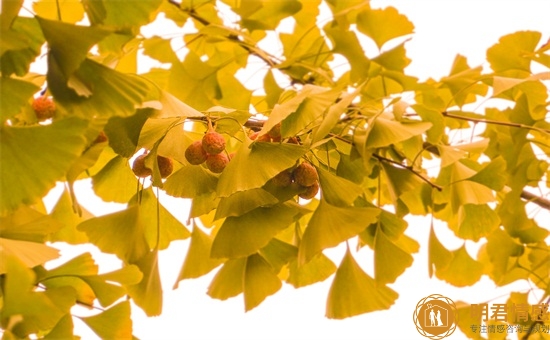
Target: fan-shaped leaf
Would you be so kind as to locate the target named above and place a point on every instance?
(244, 235)
(255, 164)
(318, 269)
(147, 294)
(114, 323)
(331, 225)
(29, 253)
(38, 156)
(353, 292)
(382, 25)
(260, 281)
(385, 132)
(115, 182)
(15, 94)
(462, 270)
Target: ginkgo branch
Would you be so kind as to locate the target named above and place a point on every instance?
(494, 122)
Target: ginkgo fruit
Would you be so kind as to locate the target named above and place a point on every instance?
(166, 166)
(275, 132)
(310, 191)
(305, 174)
(101, 138)
(139, 168)
(195, 153)
(283, 178)
(216, 163)
(43, 107)
(213, 143)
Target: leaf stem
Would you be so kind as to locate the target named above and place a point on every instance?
(494, 122)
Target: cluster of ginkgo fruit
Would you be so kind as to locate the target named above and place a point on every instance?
(209, 150)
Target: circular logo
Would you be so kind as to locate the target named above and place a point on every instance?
(435, 316)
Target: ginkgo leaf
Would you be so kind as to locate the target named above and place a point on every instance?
(318, 269)
(244, 201)
(492, 175)
(70, 11)
(462, 270)
(28, 39)
(62, 330)
(382, 25)
(115, 182)
(333, 114)
(347, 44)
(159, 225)
(400, 181)
(119, 233)
(331, 225)
(511, 50)
(121, 15)
(107, 293)
(501, 251)
(449, 155)
(245, 234)
(173, 107)
(190, 181)
(516, 222)
(267, 160)
(278, 254)
(29, 253)
(40, 310)
(385, 132)
(353, 292)
(229, 280)
(113, 323)
(81, 265)
(69, 44)
(439, 257)
(64, 213)
(390, 261)
(124, 132)
(198, 261)
(38, 156)
(265, 15)
(338, 191)
(147, 294)
(474, 221)
(15, 94)
(282, 110)
(260, 281)
(28, 224)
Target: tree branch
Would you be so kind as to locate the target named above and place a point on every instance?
(494, 122)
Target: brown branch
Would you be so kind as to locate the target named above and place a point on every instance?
(409, 168)
(494, 122)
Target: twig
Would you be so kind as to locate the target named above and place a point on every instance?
(494, 122)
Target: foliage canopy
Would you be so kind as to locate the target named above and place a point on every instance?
(369, 132)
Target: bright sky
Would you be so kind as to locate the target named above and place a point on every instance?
(443, 28)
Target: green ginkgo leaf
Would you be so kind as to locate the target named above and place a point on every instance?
(115, 182)
(38, 156)
(353, 292)
(15, 94)
(113, 323)
(119, 233)
(26, 40)
(121, 15)
(40, 310)
(260, 281)
(382, 25)
(64, 213)
(330, 225)
(492, 175)
(337, 190)
(159, 225)
(385, 132)
(147, 294)
(244, 235)
(256, 163)
(244, 201)
(198, 261)
(502, 250)
(69, 44)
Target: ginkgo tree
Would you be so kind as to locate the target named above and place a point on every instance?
(368, 133)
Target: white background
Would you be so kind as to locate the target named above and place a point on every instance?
(443, 29)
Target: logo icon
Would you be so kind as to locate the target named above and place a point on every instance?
(435, 316)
